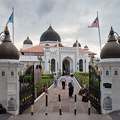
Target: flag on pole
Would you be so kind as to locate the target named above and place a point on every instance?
(10, 18)
(95, 23)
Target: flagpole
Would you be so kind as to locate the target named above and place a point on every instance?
(13, 24)
(99, 31)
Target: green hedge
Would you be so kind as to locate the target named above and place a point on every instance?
(46, 80)
(83, 78)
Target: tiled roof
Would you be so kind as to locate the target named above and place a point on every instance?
(92, 53)
(35, 49)
(38, 49)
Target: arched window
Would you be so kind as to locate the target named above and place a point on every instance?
(107, 72)
(115, 72)
(12, 73)
(81, 65)
(3, 73)
(52, 65)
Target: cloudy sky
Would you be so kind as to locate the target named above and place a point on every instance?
(69, 18)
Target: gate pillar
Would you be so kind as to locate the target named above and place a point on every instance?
(9, 85)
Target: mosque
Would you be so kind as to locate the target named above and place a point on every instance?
(54, 57)
(51, 56)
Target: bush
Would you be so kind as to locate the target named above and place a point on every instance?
(46, 80)
(83, 78)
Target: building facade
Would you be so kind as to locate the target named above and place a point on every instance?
(54, 57)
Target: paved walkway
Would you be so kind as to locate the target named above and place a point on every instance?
(67, 107)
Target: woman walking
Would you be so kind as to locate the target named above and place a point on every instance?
(55, 77)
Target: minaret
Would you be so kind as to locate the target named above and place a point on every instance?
(9, 79)
(109, 67)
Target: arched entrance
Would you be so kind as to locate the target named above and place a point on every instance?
(66, 66)
(53, 65)
(81, 65)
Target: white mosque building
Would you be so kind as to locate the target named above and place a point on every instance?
(53, 56)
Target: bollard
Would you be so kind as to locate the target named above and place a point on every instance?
(60, 111)
(46, 104)
(88, 107)
(75, 105)
(31, 109)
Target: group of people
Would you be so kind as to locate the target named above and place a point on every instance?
(64, 83)
(83, 91)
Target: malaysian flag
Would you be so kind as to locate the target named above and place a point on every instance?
(95, 23)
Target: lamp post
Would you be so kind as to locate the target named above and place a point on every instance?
(49, 66)
(77, 66)
(92, 57)
(40, 59)
(85, 67)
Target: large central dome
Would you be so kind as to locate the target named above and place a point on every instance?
(50, 35)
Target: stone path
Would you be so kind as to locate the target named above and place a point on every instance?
(67, 106)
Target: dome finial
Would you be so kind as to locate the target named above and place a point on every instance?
(111, 31)
(7, 35)
(6, 31)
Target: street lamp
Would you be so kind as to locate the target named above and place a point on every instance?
(77, 66)
(49, 66)
(92, 57)
(39, 57)
(85, 67)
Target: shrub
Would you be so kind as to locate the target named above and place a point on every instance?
(46, 80)
(83, 78)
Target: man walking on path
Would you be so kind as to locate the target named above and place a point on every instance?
(63, 80)
(71, 85)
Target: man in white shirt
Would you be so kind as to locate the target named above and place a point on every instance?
(63, 80)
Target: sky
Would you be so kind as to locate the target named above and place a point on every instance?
(69, 18)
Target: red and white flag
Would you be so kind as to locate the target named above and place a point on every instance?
(95, 23)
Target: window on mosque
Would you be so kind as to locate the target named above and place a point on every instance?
(107, 72)
(115, 72)
(3, 73)
(12, 73)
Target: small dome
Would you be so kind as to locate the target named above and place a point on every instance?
(27, 41)
(85, 47)
(112, 48)
(47, 45)
(10, 51)
(50, 35)
(75, 44)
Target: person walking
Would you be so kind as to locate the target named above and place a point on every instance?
(44, 89)
(63, 80)
(71, 85)
(55, 77)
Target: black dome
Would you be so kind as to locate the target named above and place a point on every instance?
(50, 35)
(27, 41)
(112, 48)
(86, 47)
(75, 44)
(47, 44)
(7, 49)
